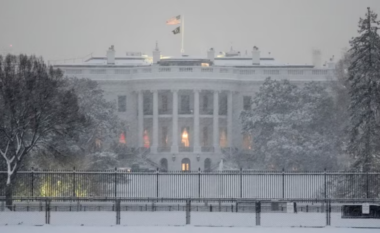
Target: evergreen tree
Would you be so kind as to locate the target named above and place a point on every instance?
(293, 127)
(364, 79)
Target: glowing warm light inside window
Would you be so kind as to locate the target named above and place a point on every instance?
(122, 139)
(205, 64)
(223, 138)
(247, 142)
(185, 138)
(185, 167)
(146, 139)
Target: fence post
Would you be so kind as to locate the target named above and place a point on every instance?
(199, 182)
(157, 174)
(258, 212)
(328, 213)
(188, 209)
(325, 178)
(47, 211)
(115, 182)
(32, 184)
(117, 208)
(241, 182)
(74, 183)
(367, 184)
(283, 183)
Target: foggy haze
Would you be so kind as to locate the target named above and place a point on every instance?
(289, 30)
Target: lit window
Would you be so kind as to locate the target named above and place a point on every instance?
(185, 137)
(146, 139)
(164, 138)
(185, 165)
(223, 138)
(247, 142)
(122, 103)
(122, 138)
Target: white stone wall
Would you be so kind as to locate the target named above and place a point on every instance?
(241, 82)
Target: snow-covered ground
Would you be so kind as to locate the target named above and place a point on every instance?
(199, 219)
(168, 229)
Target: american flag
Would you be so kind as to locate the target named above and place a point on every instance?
(174, 21)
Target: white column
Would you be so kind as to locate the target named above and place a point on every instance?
(197, 148)
(174, 148)
(216, 122)
(140, 119)
(229, 119)
(155, 122)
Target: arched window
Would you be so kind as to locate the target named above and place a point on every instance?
(207, 167)
(185, 165)
(164, 165)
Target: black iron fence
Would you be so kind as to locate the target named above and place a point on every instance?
(226, 184)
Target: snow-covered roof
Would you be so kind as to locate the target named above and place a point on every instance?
(228, 61)
(130, 61)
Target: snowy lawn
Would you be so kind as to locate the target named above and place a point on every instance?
(187, 229)
(205, 219)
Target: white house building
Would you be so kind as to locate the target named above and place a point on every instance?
(183, 113)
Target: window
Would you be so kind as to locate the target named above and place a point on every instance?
(164, 137)
(247, 101)
(148, 107)
(185, 164)
(222, 138)
(122, 139)
(146, 139)
(122, 103)
(185, 104)
(164, 106)
(205, 136)
(185, 137)
(247, 141)
(205, 103)
(164, 165)
(223, 105)
(207, 165)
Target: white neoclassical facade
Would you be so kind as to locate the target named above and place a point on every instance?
(183, 113)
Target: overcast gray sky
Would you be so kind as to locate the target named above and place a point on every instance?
(289, 29)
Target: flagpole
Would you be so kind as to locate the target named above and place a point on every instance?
(182, 33)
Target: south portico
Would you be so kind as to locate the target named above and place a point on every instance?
(194, 128)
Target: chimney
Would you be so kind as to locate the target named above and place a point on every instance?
(331, 63)
(255, 56)
(317, 59)
(211, 55)
(156, 55)
(111, 56)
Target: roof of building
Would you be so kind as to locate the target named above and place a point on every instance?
(129, 61)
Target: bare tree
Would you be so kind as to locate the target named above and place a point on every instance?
(35, 106)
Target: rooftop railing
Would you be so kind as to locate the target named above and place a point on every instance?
(211, 72)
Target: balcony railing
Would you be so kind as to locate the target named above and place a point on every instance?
(185, 149)
(163, 149)
(206, 111)
(207, 149)
(148, 111)
(185, 111)
(165, 111)
(295, 73)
